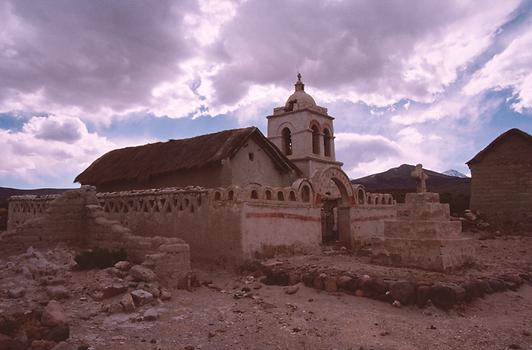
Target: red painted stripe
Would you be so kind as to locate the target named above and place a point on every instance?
(283, 216)
(373, 218)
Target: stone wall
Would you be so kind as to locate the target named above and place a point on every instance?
(501, 183)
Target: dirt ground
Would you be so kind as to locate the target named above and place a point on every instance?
(213, 318)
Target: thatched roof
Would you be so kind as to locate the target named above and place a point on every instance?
(142, 162)
(501, 138)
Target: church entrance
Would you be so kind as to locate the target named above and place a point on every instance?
(336, 193)
(329, 221)
(335, 214)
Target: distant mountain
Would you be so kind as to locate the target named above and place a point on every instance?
(399, 179)
(6, 192)
(455, 173)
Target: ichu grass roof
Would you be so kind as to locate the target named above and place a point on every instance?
(142, 162)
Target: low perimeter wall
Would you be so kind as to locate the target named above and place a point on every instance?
(232, 224)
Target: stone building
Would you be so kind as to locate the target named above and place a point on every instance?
(501, 179)
(230, 157)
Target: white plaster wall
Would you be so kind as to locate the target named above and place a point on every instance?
(287, 227)
(261, 169)
(367, 223)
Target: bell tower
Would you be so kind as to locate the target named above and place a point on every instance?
(303, 131)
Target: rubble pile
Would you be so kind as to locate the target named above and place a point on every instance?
(473, 222)
(41, 293)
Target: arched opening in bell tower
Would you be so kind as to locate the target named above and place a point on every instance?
(327, 143)
(315, 139)
(287, 141)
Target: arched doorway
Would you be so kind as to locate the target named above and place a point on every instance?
(335, 195)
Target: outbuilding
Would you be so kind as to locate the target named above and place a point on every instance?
(501, 180)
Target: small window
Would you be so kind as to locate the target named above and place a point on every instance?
(254, 195)
(251, 156)
(292, 196)
(231, 195)
(360, 197)
(217, 196)
(280, 196)
(268, 194)
(305, 194)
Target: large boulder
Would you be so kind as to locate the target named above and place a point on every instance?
(53, 314)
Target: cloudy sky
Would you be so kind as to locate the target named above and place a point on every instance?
(425, 81)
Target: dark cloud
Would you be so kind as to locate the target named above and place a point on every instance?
(92, 53)
(338, 44)
(67, 130)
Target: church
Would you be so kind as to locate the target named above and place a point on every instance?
(300, 141)
(238, 195)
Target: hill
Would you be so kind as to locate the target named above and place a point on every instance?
(397, 181)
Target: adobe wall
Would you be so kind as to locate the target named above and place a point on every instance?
(75, 218)
(251, 162)
(501, 183)
(224, 224)
(23, 208)
(268, 229)
(211, 227)
(233, 223)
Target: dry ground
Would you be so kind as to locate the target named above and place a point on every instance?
(211, 318)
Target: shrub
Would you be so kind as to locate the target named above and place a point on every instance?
(99, 258)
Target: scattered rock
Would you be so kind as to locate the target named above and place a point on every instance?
(57, 292)
(396, 303)
(123, 265)
(150, 315)
(291, 289)
(128, 305)
(112, 290)
(141, 297)
(53, 314)
(16, 293)
(165, 294)
(142, 273)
